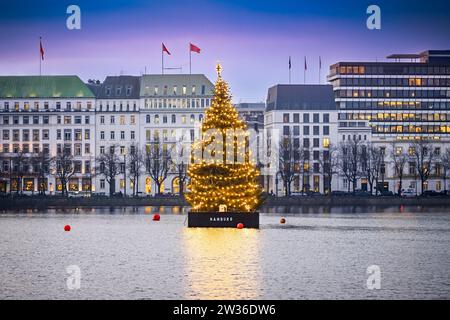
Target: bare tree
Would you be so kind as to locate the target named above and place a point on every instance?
(180, 161)
(41, 165)
(372, 158)
(157, 163)
(329, 165)
(423, 155)
(350, 161)
(63, 168)
(20, 163)
(400, 159)
(288, 154)
(304, 157)
(445, 160)
(107, 165)
(135, 166)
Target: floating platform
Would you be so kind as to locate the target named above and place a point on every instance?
(223, 219)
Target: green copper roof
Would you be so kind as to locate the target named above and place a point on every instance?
(43, 87)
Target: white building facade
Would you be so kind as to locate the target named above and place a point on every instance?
(49, 115)
(394, 105)
(172, 108)
(305, 117)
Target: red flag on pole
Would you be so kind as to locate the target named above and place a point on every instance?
(164, 49)
(41, 48)
(194, 48)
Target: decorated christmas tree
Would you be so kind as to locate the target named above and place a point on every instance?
(221, 171)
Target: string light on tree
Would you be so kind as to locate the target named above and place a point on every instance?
(223, 174)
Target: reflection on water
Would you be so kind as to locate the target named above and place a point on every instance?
(320, 253)
(222, 263)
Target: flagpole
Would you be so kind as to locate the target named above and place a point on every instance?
(304, 72)
(320, 66)
(289, 69)
(40, 56)
(162, 61)
(190, 59)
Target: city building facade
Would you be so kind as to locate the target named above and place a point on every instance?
(394, 105)
(43, 117)
(301, 127)
(116, 128)
(395, 115)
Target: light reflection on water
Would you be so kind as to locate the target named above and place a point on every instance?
(222, 263)
(319, 253)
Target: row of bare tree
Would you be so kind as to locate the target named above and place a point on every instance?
(155, 160)
(355, 160)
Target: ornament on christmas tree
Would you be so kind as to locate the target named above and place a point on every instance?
(221, 170)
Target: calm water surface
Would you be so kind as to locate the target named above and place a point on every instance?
(319, 253)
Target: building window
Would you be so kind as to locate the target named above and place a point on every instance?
(67, 134)
(132, 135)
(315, 143)
(316, 118)
(316, 130)
(285, 117)
(306, 117)
(112, 135)
(122, 120)
(35, 134)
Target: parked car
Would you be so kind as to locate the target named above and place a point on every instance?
(431, 193)
(362, 193)
(386, 193)
(409, 193)
(298, 194)
(313, 193)
(337, 193)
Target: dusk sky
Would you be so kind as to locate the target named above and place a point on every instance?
(252, 39)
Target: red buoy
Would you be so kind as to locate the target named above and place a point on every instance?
(156, 217)
(67, 228)
(240, 225)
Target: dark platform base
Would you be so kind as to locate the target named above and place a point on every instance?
(223, 219)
